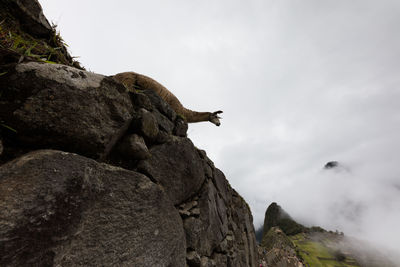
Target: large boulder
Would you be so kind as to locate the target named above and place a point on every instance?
(60, 107)
(30, 15)
(177, 166)
(61, 209)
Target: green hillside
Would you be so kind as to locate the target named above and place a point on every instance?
(319, 250)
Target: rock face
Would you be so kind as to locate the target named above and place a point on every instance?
(276, 216)
(169, 206)
(277, 250)
(61, 107)
(62, 209)
(313, 246)
(30, 15)
(91, 175)
(165, 159)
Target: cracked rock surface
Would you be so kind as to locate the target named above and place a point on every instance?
(62, 209)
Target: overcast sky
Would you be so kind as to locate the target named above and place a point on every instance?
(301, 83)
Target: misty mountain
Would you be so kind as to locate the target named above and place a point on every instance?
(287, 243)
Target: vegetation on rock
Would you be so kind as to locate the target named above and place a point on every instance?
(16, 42)
(321, 250)
(290, 244)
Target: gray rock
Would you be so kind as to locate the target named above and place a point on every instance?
(218, 223)
(163, 122)
(147, 125)
(223, 246)
(189, 209)
(181, 127)
(277, 239)
(30, 15)
(133, 146)
(241, 223)
(188, 206)
(193, 259)
(223, 186)
(206, 262)
(279, 250)
(203, 154)
(163, 137)
(61, 209)
(141, 100)
(208, 170)
(56, 106)
(160, 104)
(177, 167)
(206, 232)
(195, 212)
(184, 213)
(220, 259)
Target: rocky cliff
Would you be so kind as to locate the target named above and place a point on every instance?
(92, 175)
(286, 243)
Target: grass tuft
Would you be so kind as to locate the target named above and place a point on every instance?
(53, 50)
(2, 124)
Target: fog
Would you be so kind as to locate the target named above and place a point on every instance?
(301, 83)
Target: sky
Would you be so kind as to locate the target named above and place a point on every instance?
(301, 83)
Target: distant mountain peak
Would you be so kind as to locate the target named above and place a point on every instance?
(331, 165)
(276, 216)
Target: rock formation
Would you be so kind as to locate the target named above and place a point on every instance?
(331, 164)
(93, 175)
(62, 209)
(276, 216)
(30, 16)
(289, 244)
(277, 250)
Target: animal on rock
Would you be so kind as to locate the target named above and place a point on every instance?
(133, 81)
